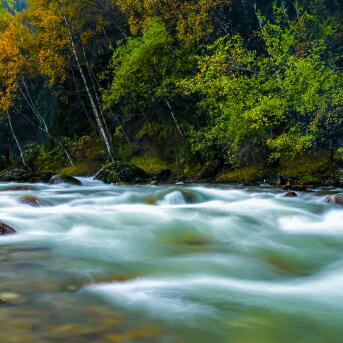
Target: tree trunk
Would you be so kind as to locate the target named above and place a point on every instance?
(90, 96)
(16, 141)
(41, 119)
(96, 86)
(173, 116)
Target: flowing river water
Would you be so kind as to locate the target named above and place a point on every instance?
(198, 264)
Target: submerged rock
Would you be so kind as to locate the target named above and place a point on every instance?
(152, 200)
(335, 199)
(18, 188)
(13, 298)
(62, 178)
(6, 230)
(31, 201)
(291, 195)
(122, 172)
(190, 197)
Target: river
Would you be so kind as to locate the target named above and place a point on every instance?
(175, 264)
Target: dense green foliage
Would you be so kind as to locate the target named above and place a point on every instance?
(220, 85)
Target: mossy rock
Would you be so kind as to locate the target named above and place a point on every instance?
(150, 164)
(122, 172)
(247, 174)
(79, 169)
(310, 168)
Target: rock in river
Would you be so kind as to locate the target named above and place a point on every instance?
(6, 230)
(62, 178)
(335, 199)
(122, 172)
(30, 201)
(291, 195)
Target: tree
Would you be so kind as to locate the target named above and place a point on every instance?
(11, 64)
(145, 69)
(271, 105)
(53, 51)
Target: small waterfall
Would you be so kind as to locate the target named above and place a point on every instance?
(175, 198)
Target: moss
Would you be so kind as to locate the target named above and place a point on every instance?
(192, 170)
(308, 168)
(246, 174)
(51, 160)
(78, 169)
(150, 164)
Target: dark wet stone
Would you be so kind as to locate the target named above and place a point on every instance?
(291, 195)
(31, 201)
(62, 178)
(6, 230)
(189, 197)
(335, 199)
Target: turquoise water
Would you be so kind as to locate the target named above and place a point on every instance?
(100, 263)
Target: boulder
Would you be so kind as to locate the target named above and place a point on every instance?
(62, 178)
(31, 201)
(6, 230)
(3, 302)
(335, 199)
(189, 197)
(291, 195)
(122, 172)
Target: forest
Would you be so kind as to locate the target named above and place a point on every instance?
(205, 90)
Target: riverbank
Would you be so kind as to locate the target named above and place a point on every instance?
(309, 174)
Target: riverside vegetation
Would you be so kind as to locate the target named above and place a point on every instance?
(203, 90)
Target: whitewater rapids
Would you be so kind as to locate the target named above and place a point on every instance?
(200, 263)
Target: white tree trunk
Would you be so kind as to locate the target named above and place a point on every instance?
(174, 117)
(41, 119)
(16, 140)
(90, 96)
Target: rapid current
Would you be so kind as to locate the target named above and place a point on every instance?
(170, 264)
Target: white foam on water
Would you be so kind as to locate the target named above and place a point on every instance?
(208, 258)
(174, 294)
(330, 223)
(174, 198)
